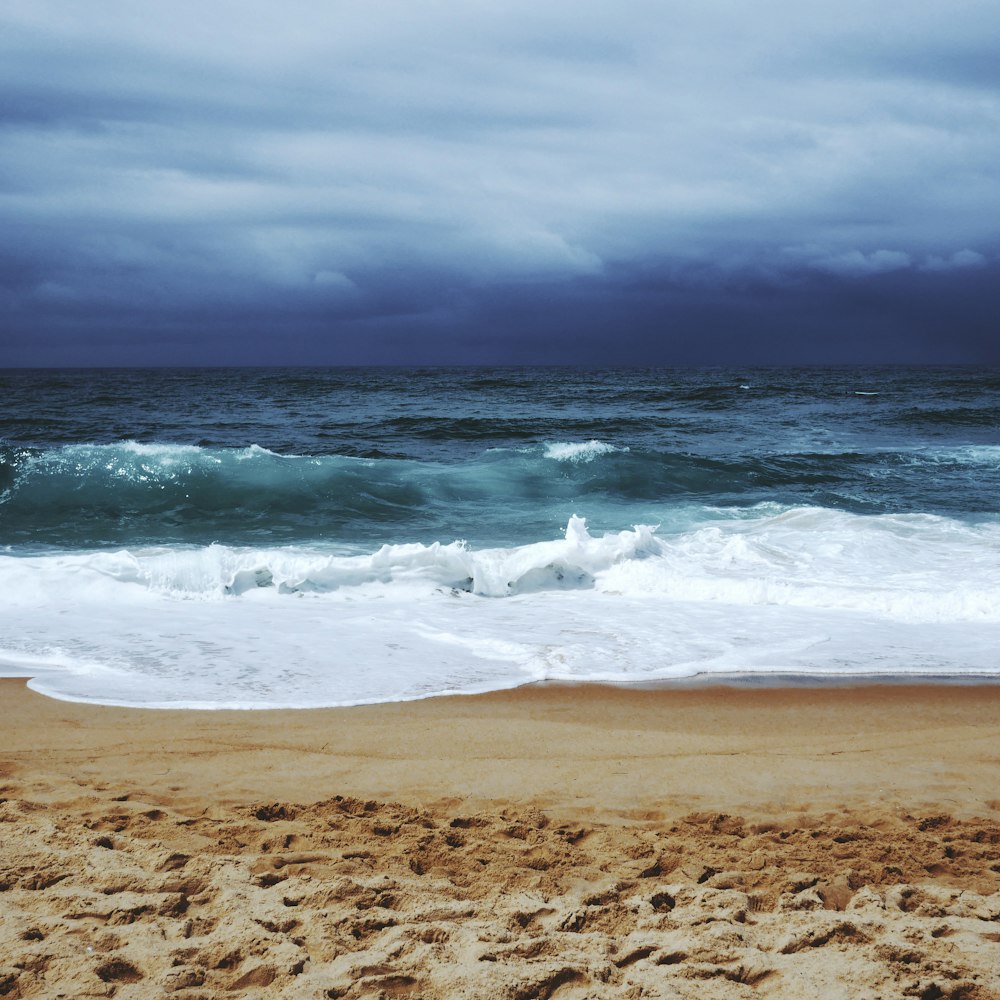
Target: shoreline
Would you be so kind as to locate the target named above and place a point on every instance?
(559, 841)
(739, 680)
(730, 748)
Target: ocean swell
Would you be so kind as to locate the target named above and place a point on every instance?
(100, 495)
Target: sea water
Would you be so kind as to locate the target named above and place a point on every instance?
(307, 537)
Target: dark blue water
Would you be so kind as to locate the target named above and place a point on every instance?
(364, 456)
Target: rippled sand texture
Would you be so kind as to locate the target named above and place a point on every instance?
(111, 897)
(135, 861)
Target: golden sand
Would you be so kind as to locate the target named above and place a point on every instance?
(546, 842)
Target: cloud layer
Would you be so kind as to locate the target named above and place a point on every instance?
(474, 181)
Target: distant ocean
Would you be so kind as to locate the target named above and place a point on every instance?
(307, 537)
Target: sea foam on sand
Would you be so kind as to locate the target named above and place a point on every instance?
(807, 590)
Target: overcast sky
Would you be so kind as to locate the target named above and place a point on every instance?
(217, 182)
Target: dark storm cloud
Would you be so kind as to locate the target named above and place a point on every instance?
(244, 182)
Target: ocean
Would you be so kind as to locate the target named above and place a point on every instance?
(254, 538)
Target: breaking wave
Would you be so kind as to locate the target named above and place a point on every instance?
(102, 495)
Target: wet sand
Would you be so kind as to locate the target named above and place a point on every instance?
(550, 841)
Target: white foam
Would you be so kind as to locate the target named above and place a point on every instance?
(130, 459)
(806, 590)
(216, 572)
(910, 568)
(972, 454)
(155, 450)
(579, 451)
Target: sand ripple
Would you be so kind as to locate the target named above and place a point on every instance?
(109, 895)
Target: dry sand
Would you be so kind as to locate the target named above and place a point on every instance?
(548, 842)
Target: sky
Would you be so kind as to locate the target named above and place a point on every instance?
(340, 182)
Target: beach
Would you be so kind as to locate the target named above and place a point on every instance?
(552, 840)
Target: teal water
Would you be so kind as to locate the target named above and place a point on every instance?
(92, 458)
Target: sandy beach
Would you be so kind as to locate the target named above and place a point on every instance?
(548, 841)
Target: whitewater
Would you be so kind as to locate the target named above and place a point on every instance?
(308, 538)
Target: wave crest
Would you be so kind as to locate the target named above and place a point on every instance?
(580, 451)
(149, 494)
(217, 571)
(919, 568)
